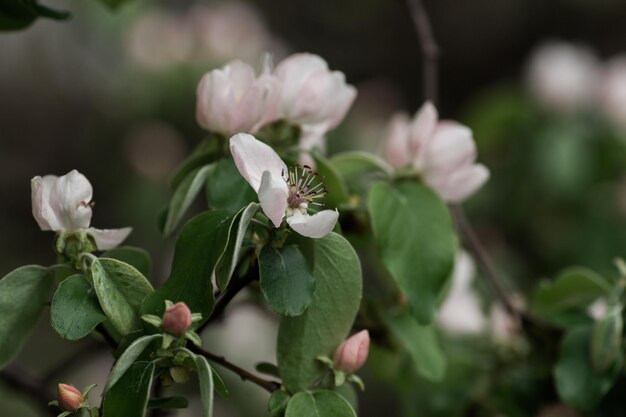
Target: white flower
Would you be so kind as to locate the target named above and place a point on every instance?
(563, 76)
(311, 94)
(232, 99)
(442, 152)
(598, 309)
(63, 204)
(612, 94)
(461, 312)
(283, 193)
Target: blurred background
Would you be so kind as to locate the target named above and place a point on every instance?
(112, 94)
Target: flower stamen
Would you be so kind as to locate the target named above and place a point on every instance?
(305, 186)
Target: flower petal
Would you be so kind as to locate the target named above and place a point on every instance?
(422, 128)
(452, 146)
(109, 238)
(254, 157)
(273, 195)
(40, 196)
(70, 198)
(397, 141)
(315, 226)
(460, 184)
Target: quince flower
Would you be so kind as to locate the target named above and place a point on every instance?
(442, 152)
(310, 93)
(352, 353)
(232, 99)
(63, 204)
(283, 193)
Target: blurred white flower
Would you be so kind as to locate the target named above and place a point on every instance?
(563, 76)
(504, 328)
(154, 149)
(159, 39)
(311, 94)
(283, 193)
(233, 99)
(612, 91)
(63, 204)
(461, 312)
(598, 309)
(442, 152)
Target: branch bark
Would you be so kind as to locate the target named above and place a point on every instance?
(430, 49)
(20, 381)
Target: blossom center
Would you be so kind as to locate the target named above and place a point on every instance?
(305, 187)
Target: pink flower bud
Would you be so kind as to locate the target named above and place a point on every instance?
(352, 353)
(69, 398)
(177, 319)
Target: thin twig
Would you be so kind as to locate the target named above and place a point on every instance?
(430, 49)
(19, 381)
(266, 384)
(107, 336)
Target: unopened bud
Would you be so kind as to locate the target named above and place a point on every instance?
(69, 398)
(177, 319)
(352, 353)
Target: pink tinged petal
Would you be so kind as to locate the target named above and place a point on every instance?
(422, 129)
(397, 141)
(69, 199)
(109, 238)
(40, 196)
(273, 195)
(293, 72)
(351, 355)
(253, 157)
(451, 147)
(459, 185)
(315, 226)
(311, 137)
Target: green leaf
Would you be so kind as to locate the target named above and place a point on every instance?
(198, 248)
(576, 381)
(168, 403)
(606, 340)
(126, 359)
(184, 196)
(277, 404)
(421, 342)
(220, 386)
(19, 14)
(573, 291)
(336, 301)
(267, 369)
(137, 257)
(226, 188)
(129, 397)
(358, 162)
(205, 378)
(113, 4)
(75, 310)
(416, 240)
(337, 190)
(286, 281)
(23, 294)
(121, 290)
(236, 233)
(205, 153)
(319, 404)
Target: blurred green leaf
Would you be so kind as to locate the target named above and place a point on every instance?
(220, 386)
(421, 342)
(126, 360)
(236, 233)
(19, 14)
(184, 195)
(113, 4)
(205, 379)
(137, 257)
(336, 188)
(168, 403)
(576, 381)
(317, 404)
(277, 403)
(286, 281)
(198, 248)
(358, 162)
(268, 369)
(129, 397)
(565, 299)
(416, 240)
(23, 294)
(75, 310)
(120, 289)
(226, 188)
(338, 287)
(606, 341)
(206, 152)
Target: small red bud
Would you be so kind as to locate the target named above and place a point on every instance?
(177, 319)
(352, 353)
(69, 398)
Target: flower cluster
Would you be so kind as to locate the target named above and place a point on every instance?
(300, 90)
(443, 153)
(566, 77)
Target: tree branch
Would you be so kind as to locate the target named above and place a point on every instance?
(430, 49)
(268, 385)
(19, 381)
